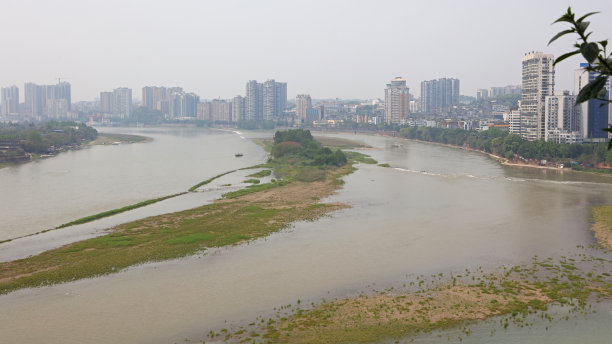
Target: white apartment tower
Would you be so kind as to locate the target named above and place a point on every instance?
(514, 122)
(122, 102)
(538, 83)
(561, 116)
(397, 102)
(238, 108)
(274, 96)
(254, 101)
(10, 100)
(303, 102)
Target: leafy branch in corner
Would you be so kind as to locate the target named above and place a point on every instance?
(595, 53)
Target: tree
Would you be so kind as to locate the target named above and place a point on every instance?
(595, 53)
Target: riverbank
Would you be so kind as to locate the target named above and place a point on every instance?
(499, 159)
(102, 139)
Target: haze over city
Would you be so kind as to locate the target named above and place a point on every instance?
(345, 49)
(305, 172)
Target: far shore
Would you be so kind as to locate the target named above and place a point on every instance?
(110, 138)
(499, 159)
(102, 139)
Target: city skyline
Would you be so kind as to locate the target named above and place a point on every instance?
(337, 55)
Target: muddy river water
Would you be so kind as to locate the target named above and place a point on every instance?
(436, 209)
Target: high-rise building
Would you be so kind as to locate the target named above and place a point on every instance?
(204, 111)
(514, 122)
(254, 101)
(57, 108)
(37, 96)
(117, 103)
(238, 108)
(106, 102)
(482, 94)
(173, 102)
(153, 97)
(10, 100)
(510, 89)
(332, 107)
(190, 105)
(397, 102)
(438, 96)
(60, 91)
(221, 111)
(281, 99)
(122, 102)
(594, 114)
(561, 114)
(538, 83)
(269, 100)
(35, 99)
(303, 102)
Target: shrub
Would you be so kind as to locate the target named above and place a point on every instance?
(286, 147)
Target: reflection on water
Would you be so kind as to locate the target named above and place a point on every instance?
(437, 210)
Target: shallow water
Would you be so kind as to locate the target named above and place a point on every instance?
(593, 327)
(35, 244)
(437, 209)
(46, 193)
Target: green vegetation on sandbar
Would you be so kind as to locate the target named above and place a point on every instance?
(107, 139)
(304, 176)
(252, 181)
(254, 188)
(325, 141)
(435, 302)
(117, 211)
(207, 181)
(602, 225)
(384, 165)
(363, 158)
(261, 174)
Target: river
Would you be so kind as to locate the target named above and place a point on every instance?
(437, 209)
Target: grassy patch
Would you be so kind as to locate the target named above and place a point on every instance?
(360, 157)
(261, 174)
(602, 225)
(117, 211)
(310, 174)
(252, 181)
(207, 181)
(254, 188)
(384, 165)
(107, 139)
(439, 302)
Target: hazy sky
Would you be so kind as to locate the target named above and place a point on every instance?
(345, 49)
